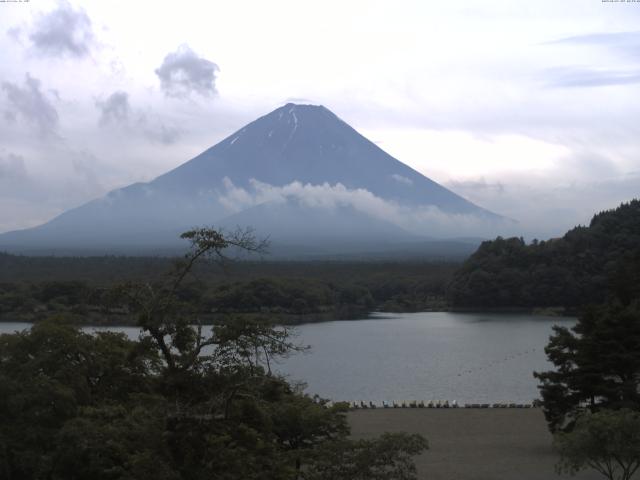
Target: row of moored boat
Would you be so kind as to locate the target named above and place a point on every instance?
(436, 404)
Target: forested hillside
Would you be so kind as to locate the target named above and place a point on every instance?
(33, 288)
(587, 265)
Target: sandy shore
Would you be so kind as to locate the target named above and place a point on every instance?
(472, 444)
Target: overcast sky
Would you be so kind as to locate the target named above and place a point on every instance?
(528, 108)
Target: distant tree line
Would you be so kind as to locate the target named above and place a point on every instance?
(288, 292)
(182, 402)
(588, 265)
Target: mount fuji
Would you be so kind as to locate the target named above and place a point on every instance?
(299, 175)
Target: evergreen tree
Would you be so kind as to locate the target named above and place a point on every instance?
(597, 365)
(607, 441)
(588, 265)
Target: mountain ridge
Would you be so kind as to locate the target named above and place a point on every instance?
(296, 153)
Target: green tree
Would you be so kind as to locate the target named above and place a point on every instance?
(183, 402)
(589, 264)
(597, 365)
(606, 441)
(123, 442)
(49, 376)
(301, 423)
(389, 457)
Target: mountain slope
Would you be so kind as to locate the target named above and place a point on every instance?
(302, 155)
(311, 145)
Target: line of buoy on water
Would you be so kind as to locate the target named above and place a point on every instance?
(495, 363)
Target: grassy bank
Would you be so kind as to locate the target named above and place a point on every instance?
(471, 444)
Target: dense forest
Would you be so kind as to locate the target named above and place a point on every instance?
(180, 402)
(588, 265)
(32, 288)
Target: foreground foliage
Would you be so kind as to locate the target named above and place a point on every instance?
(391, 456)
(597, 365)
(607, 441)
(180, 402)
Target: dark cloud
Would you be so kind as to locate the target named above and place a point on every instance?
(64, 31)
(183, 72)
(115, 109)
(164, 134)
(12, 167)
(587, 77)
(31, 104)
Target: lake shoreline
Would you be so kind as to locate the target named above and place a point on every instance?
(431, 356)
(289, 320)
(557, 311)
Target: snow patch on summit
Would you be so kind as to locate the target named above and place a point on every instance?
(295, 126)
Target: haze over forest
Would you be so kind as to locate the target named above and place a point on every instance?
(505, 107)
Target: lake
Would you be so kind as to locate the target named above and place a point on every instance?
(468, 357)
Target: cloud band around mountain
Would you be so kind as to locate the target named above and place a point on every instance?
(422, 220)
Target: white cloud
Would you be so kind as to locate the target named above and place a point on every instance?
(115, 109)
(425, 220)
(183, 72)
(545, 210)
(402, 179)
(469, 101)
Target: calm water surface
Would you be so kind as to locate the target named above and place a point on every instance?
(429, 356)
(423, 356)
